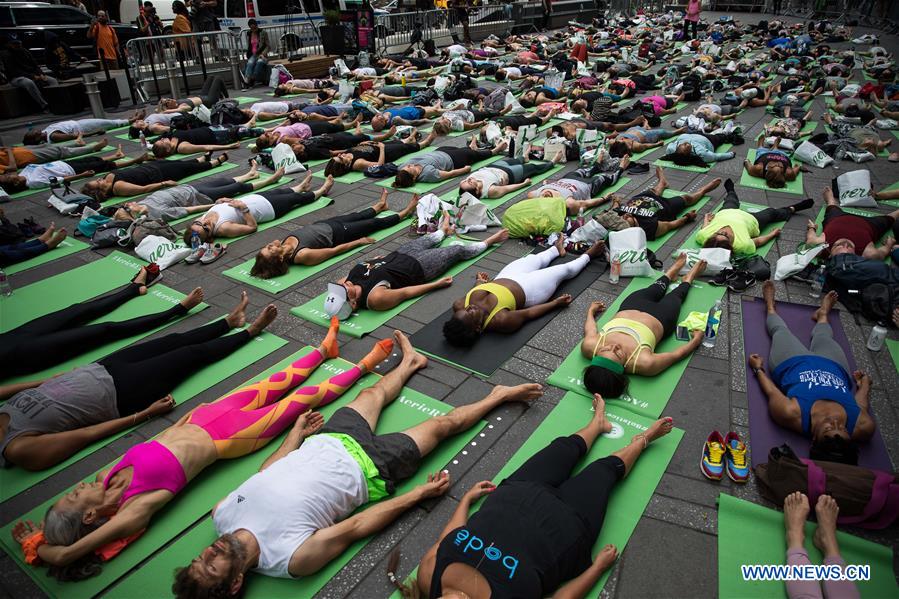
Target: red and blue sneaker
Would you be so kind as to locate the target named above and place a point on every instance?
(737, 464)
(712, 463)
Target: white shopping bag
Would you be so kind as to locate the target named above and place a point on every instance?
(154, 248)
(809, 153)
(345, 89)
(283, 156)
(854, 189)
(512, 101)
(717, 259)
(590, 232)
(790, 264)
(202, 113)
(785, 144)
(553, 79)
(629, 247)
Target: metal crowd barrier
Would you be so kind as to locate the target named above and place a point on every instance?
(286, 40)
(178, 64)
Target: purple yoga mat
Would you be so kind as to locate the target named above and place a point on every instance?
(764, 433)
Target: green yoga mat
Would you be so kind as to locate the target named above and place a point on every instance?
(893, 347)
(819, 220)
(748, 207)
(691, 168)
(422, 188)
(747, 180)
(15, 480)
(362, 323)
(646, 395)
(154, 579)
(639, 155)
(658, 242)
(808, 127)
(749, 534)
(227, 166)
(631, 496)
(298, 273)
(892, 187)
(78, 285)
(69, 246)
(350, 177)
(678, 107)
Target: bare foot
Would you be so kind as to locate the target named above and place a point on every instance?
(597, 250)
(660, 175)
(599, 414)
(498, 237)
(278, 174)
(101, 144)
(265, 318)
(193, 298)
(796, 511)
(445, 224)
(827, 303)
(415, 360)
(676, 267)
(254, 169)
(141, 279)
(768, 294)
(713, 184)
(119, 152)
(560, 246)
(527, 392)
(79, 141)
(57, 238)
(410, 208)
(381, 204)
(238, 315)
(605, 558)
(659, 428)
(327, 185)
(825, 538)
(697, 270)
(306, 183)
(47, 235)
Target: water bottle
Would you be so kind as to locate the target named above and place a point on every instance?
(818, 282)
(5, 287)
(615, 271)
(194, 241)
(714, 319)
(143, 141)
(580, 217)
(877, 337)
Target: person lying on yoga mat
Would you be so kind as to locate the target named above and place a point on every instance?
(715, 113)
(296, 514)
(14, 158)
(203, 139)
(774, 165)
(269, 111)
(213, 90)
(123, 499)
(416, 116)
(177, 202)
(851, 233)
(301, 86)
(543, 521)
(634, 140)
(360, 157)
(656, 214)
(520, 293)
(328, 145)
(69, 130)
(809, 390)
(292, 130)
(13, 253)
(39, 176)
(867, 137)
(506, 176)
(317, 242)
(628, 341)
(149, 176)
(569, 129)
(788, 128)
(541, 95)
(410, 271)
(796, 510)
(740, 231)
(464, 120)
(443, 163)
(661, 105)
(581, 188)
(514, 122)
(127, 387)
(698, 149)
(237, 217)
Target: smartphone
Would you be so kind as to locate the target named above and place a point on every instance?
(682, 333)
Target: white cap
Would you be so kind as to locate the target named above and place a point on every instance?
(336, 303)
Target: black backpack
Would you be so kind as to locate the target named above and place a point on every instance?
(182, 122)
(226, 112)
(878, 301)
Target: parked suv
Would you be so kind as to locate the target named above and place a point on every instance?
(31, 20)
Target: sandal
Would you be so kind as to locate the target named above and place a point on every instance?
(213, 253)
(153, 275)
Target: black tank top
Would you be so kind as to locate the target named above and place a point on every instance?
(524, 540)
(392, 151)
(200, 136)
(772, 157)
(395, 269)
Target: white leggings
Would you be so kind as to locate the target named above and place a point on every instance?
(537, 278)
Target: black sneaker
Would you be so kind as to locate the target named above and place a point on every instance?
(740, 281)
(720, 280)
(806, 275)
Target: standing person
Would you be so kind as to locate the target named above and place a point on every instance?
(22, 69)
(204, 15)
(257, 47)
(181, 24)
(691, 19)
(461, 8)
(547, 14)
(148, 21)
(105, 40)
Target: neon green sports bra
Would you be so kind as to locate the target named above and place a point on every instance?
(638, 331)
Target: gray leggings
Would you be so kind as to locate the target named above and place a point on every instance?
(49, 153)
(435, 260)
(785, 345)
(519, 170)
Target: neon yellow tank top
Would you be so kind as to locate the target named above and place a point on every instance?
(504, 299)
(638, 331)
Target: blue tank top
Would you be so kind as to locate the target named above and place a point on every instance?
(812, 378)
(410, 113)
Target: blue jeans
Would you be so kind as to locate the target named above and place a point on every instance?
(255, 68)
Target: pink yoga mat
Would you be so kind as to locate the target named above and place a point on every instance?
(764, 433)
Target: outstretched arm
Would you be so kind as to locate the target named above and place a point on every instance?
(386, 299)
(307, 424)
(312, 257)
(784, 411)
(656, 363)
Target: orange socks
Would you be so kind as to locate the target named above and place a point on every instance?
(378, 354)
(332, 349)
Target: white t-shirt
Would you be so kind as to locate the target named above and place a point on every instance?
(458, 118)
(259, 207)
(567, 188)
(275, 107)
(488, 177)
(161, 118)
(456, 50)
(514, 71)
(365, 72)
(67, 127)
(307, 490)
(38, 176)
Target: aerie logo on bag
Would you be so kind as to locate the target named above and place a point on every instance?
(857, 192)
(632, 256)
(162, 249)
(491, 552)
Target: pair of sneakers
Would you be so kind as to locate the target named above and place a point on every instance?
(206, 253)
(737, 281)
(720, 454)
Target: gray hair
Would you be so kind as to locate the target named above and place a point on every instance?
(64, 527)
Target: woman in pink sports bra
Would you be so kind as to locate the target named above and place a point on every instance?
(150, 474)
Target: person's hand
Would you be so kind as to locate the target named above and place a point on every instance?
(444, 282)
(527, 181)
(89, 173)
(485, 487)
(233, 146)
(437, 485)
(596, 307)
(776, 233)
(896, 317)
(159, 407)
(169, 183)
(690, 216)
(756, 361)
(238, 204)
(563, 300)
(367, 240)
(698, 334)
(482, 277)
(24, 529)
(224, 200)
(309, 423)
(861, 378)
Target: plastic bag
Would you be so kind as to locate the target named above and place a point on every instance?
(162, 251)
(717, 259)
(629, 247)
(854, 189)
(283, 156)
(790, 264)
(809, 153)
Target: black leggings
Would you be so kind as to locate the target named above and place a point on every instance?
(213, 90)
(161, 170)
(654, 301)
(64, 334)
(284, 199)
(587, 492)
(149, 371)
(90, 163)
(222, 187)
(465, 156)
(765, 217)
(694, 25)
(517, 122)
(356, 225)
(322, 127)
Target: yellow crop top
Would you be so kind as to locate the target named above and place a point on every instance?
(504, 299)
(638, 331)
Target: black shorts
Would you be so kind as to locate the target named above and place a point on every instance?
(395, 454)
(671, 207)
